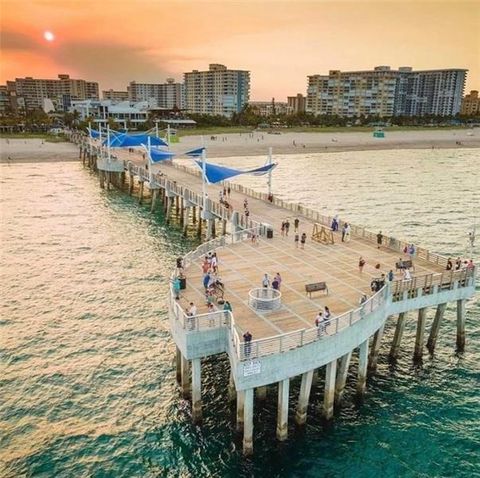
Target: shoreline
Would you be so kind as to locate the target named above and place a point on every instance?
(34, 150)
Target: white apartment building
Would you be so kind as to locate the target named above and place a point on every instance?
(218, 91)
(385, 92)
(167, 95)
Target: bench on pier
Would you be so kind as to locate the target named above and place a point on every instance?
(401, 265)
(314, 287)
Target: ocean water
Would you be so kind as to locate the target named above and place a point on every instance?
(87, 382)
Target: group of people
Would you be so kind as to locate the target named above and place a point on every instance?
(246, 211)
(322, 321)
(223, 194)
(459, 265)
(213, 285)
(274, 284)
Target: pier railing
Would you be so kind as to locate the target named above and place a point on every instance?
(357, 231)
(431, 284)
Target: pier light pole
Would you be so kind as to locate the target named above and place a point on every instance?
(204, 177)
(90, 137)
(168, 135)
(270, 172)
(100, 138)
(108, 142)
(156, 128)
(150, 173)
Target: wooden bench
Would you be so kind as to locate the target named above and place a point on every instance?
(314, 287)
(404, 265)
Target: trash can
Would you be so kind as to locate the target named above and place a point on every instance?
(269, 233)
(183, 283)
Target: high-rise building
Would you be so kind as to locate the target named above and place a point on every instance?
(386, 92)
(471, 104)
(218, 91)
(269, 108)
(296, 104)
(160, 95)
(115, 95)
(33, 91)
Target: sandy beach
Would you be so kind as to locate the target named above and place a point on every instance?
(35, 150)
(257, 143)
(296, 143)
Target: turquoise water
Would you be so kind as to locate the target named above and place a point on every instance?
(87, 380)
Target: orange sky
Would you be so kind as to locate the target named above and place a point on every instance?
(280, 42)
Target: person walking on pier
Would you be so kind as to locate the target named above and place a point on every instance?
(297, 239)
(391, 276)
(344, 231)
(265, 282)
(379, 239)
(287, 227)
(334, 226)
(303, 240)
(228, 190)
(247, 338)
(296, 223)
(282, 229)
(347, 232)
(361, 264)
(206, 280)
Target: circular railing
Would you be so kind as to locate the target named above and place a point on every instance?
(264, 299)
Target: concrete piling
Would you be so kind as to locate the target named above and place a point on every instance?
(397, 338)
(178, 365)
(422, 317)
(329, 395)
(377, 340)
(196, 390)
(432, 338)
(282, 412)
(341, 380)
(248, 422)
(362, 368)
(261, 392)
(240, 409)
(303, 398)
(461, 325)
(185, 380)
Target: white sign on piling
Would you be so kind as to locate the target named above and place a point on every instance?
(252, 368)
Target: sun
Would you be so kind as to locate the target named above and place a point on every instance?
(49, 36)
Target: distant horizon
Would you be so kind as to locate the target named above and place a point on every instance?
(279, 45)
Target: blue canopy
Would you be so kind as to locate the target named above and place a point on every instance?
(94, 133)
(215, 173)
(124, 140)
(195, 153)
(157, 155)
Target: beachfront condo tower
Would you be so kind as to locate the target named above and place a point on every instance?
(167, 95)
(218, 91)
(386, 92)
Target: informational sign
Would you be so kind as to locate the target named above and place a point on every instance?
(252, 368)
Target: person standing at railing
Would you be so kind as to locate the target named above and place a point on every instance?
(247, 338)
(379, 239)
(319, 324)
(296, 223)
(227, 308)
(297, 239)
(176, 285)
(458, 264)
(334, 226)
(277, 278)
(449, 266)
(327, 315)
(211, 311)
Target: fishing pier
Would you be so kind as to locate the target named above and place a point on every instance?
(285, 341)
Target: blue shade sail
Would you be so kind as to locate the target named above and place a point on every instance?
(157, 155)
(195, 153)
(94, 133)
(215, 173)
(124, 140)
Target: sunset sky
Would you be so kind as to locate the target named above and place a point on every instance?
(280, 42)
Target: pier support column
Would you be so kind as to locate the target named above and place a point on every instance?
(397, 338)
(214, 230)
(196, 390)
(107, 174)
(432, 338)
(422, 316)
(194, 214)
(131, 184)
(177, 206)
(209, 228)
(182, 212)
(282, 413)
(248, 422)
(461, 325)
(329, 395)
(224, 227)
(377, 340)
(168, 209)
(262, 392)
(140, 198)
(185, 385)
(362, 368)
(342, 377)
(240, 409)
(154, 200)
(199, 228)
(101, 178)
(186, 220)
(231, 387)
(305, 388)
(178, 365)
